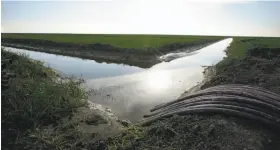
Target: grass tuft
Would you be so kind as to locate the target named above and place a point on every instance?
(126, 139)
(35, 98)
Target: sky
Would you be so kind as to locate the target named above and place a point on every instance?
(183, 17)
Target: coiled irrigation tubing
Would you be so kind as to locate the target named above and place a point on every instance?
(237, 100)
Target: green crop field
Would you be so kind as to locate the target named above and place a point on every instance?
(118, 40)
(240, 45)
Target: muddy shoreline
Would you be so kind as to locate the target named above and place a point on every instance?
(143, 58)
(257, 68)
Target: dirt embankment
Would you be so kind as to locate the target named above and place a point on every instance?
(43, 110)
(260, 67)
(144, 58)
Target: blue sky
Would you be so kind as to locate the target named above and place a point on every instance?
(200, 17)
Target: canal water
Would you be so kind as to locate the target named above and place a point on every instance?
(129, 91)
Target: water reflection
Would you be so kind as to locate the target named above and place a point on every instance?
(87, 69)
(130, 96)
(209, 55)
(157, 81)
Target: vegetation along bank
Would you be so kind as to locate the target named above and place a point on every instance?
(137, 50)
(41, 110)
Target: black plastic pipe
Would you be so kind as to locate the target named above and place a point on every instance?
(225, 99)
(242, 91)
(242, 112)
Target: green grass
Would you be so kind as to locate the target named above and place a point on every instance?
(121, 40)
(35, 98)
(126, 137)
(240, 45)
